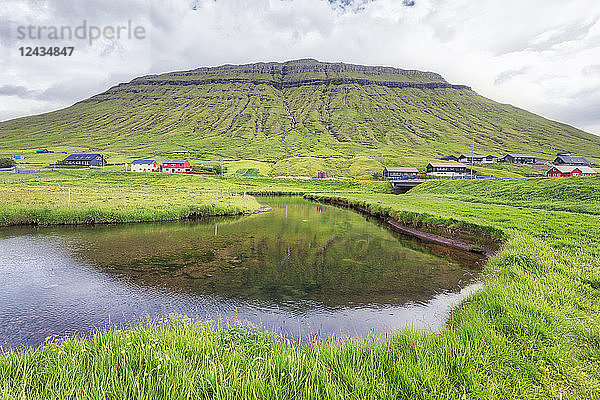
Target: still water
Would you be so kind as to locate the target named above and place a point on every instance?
(301, 269)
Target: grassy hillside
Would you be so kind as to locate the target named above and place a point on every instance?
(531, 332)
(319, 116)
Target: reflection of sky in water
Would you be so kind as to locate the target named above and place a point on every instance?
(65, 280)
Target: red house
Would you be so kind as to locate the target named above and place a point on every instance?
(563, 171)
(178, 165)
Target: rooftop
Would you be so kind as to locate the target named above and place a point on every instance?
(143, 162)
(402, 169)
(175, 161)
(447, 165)
(82, 157)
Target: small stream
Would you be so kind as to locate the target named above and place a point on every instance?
(302, 269)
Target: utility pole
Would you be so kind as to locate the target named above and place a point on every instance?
(288, 168)
(221, 174)
(472, 154)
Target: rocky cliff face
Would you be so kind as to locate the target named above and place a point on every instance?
(310, 66)
(301, 72)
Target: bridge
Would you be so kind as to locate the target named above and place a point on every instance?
(404, 185)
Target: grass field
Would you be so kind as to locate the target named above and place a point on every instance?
(578, 195)
(85, 197)
(531, 332)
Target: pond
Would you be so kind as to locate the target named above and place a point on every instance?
(303, 269)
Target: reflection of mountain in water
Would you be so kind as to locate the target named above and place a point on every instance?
(300, 251)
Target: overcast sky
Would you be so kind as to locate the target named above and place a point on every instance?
(541, 55)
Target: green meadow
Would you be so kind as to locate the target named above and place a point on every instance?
(531, 332)
(91, 196)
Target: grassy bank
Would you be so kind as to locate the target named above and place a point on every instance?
(533, 331)
(578, 194)
(84, 197)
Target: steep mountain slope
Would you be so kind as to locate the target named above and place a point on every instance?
(298, 108)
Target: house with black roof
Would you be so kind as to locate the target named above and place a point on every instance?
(449, 158)
(568, 159)
(85, 160)
(476, 158)
(518, 159)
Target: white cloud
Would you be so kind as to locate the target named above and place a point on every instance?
(540, 55)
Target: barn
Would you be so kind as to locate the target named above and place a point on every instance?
(568, 159)
(87, 160)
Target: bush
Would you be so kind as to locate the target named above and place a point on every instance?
(7, 163)
(214, 168)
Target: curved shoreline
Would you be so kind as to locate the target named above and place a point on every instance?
(467, 240)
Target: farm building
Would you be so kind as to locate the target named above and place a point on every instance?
(400, 172)
(88, 160)
(144, 166)
(477, 158)
(564, 171)
(518, 159)
(568, 159)
(447, 170)
(177, 165)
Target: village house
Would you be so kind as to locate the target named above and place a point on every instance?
(144, 166)
(400, 172)
(449, 158)
(88, 160)
(563, 171)
(477, 158)
(178, 165)
(447, 170)
(518, 159)
(567, 159)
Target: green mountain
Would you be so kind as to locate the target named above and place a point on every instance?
(301, 108)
